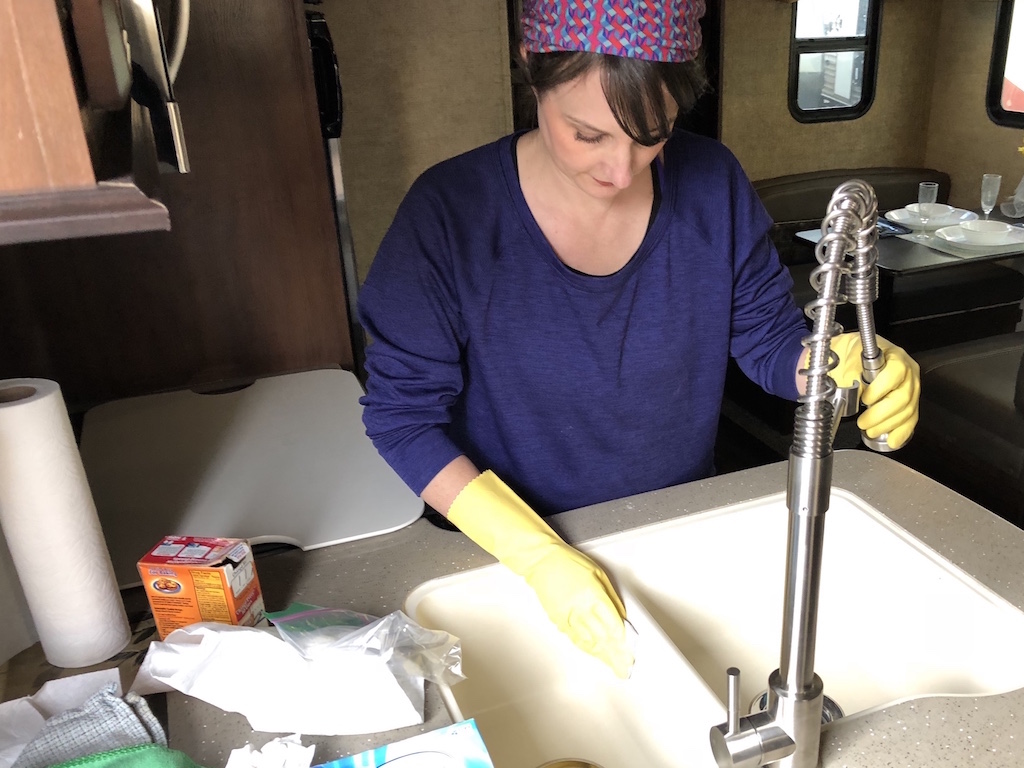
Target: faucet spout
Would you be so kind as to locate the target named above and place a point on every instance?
(788, 732)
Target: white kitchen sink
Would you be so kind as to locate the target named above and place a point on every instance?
(537, 698)
(896, 621)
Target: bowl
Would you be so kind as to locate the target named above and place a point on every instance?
(982, 232)
(931, 210)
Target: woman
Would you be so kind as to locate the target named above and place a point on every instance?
(553, 313)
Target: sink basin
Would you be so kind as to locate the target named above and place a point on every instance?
(537, 698)
(896, 621)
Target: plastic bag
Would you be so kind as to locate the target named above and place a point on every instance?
(310, 628)
(1014, 206)
(410, 651)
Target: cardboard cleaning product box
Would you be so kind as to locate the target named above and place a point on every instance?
(454, 746)
(190, 579)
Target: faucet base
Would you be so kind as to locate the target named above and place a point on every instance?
(798, 713)
(830, 709)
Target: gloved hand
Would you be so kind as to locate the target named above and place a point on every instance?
(892, 398)
(575, 592)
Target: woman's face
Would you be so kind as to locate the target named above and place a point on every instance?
(585, 142)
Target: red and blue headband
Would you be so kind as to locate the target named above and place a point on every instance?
(638, 29)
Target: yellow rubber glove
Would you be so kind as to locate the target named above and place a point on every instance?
(892, 398)
(576, 594)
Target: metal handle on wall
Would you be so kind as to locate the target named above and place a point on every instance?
(152, 80)
(180, 39)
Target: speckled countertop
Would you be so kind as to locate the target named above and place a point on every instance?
(374, 576)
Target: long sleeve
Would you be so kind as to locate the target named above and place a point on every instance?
(409, 308)
(573, 388)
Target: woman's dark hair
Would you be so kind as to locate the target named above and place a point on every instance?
(633, 87)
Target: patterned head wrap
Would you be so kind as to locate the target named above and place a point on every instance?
(640, 29)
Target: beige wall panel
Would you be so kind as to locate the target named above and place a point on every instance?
(423, 81)
(756, 123)
(963, 141)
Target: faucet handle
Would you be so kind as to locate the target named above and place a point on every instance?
(732, 675)
(747, 742)
(845, 402)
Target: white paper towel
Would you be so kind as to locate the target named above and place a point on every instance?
(254, 672)
(53, 533)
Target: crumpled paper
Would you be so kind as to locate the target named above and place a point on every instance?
(283, 752)
(255, 673)
(22, 719)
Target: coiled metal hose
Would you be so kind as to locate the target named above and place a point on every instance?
(847, 258)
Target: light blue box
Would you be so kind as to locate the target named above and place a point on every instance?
(455, 746)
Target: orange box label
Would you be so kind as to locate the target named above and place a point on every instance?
(189, 579)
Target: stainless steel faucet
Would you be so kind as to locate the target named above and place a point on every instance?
(787, 733)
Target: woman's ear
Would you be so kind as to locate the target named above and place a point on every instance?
(524, 60)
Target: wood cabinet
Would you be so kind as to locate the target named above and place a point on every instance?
(43, 145)
(248, 280)
(50, 185)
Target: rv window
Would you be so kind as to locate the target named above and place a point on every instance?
(1005, 99)
(832, 59)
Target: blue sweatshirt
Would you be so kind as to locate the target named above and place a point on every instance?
(574, 389)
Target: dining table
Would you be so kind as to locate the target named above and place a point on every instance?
(904, 256)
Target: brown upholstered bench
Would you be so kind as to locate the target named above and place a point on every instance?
(971, 432)
(799, 201)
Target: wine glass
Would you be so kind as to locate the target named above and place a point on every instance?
(927, 194)
(990, 191)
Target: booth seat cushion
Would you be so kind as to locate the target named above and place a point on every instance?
(979, 380)
(971, 430)
(790, 198)
(799, 201)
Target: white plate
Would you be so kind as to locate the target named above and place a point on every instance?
(912, 220)
(955, 235)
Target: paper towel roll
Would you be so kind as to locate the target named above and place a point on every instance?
(53, 533)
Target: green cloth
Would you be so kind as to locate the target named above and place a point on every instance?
(142, 756)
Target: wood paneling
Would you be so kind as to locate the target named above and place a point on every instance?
(248, 281)
(757, 125)
(963, 141)
(42, 143)
(929, 108)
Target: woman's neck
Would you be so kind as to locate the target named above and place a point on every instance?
(589, 234)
